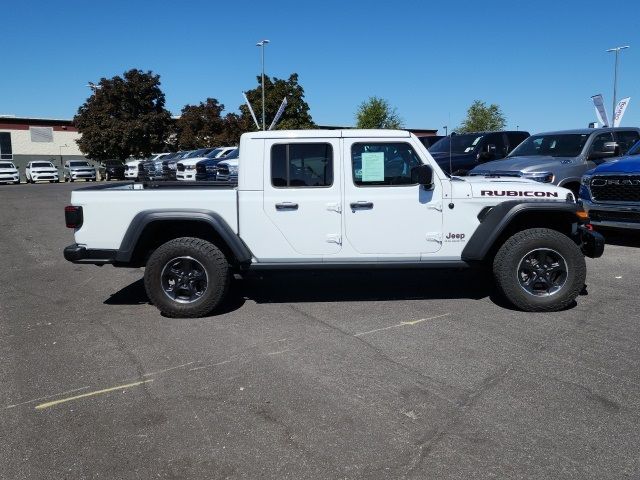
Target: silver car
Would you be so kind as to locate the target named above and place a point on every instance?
(562, 157)
(78, 170)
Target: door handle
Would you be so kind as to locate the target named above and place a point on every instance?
(362, 206)
(286, 206)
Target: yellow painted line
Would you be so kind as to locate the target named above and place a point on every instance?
(401, 324)
(44, 398)
(89, 394)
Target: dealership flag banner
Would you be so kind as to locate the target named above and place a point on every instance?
(620, 109)
(279, 113)
(600, 110)
(253, 115)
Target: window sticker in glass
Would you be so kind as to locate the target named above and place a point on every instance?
(373, 166)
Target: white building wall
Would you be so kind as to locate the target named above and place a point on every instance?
(22, 145)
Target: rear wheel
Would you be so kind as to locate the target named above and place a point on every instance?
(540, 270)
(187, 277)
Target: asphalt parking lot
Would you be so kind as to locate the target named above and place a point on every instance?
(336, 375)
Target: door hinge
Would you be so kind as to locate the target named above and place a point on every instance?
(334, 207)
(434, 237)
(334, 238)
(435, 206)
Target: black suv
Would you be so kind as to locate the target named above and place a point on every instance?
(459, 153)
(111, 169)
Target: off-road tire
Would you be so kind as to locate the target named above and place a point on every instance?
(209, 256)
(510, 254)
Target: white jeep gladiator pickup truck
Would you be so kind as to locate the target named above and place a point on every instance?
(334, 199)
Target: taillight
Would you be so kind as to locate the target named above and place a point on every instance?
(73, 216)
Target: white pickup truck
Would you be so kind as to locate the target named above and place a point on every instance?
(315, 199)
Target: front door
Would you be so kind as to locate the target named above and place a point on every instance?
(302, 195)
(385, 213)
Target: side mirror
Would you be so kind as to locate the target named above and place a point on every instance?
(609, 149)
(423, 175)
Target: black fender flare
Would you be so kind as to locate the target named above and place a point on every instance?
(498, 218)
(138, 224)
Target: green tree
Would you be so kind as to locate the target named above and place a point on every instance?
(125, 116)
(481, 117)
(200, 125)
(377, 113)
(296, 114)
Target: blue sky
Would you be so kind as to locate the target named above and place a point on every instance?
(540, 61)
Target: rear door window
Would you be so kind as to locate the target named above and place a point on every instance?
(295, 165)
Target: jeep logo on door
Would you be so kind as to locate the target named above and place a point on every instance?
(603, 182)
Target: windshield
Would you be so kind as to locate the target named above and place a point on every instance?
(214, 153)
(79, 164)
(554, 145)
(456, 144)
(198, 153)
(635, 150)
(7, 165)
(42, 165)
(235, 153)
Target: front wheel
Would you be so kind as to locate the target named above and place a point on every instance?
(187, 277)
(540, 270)
(107, 177)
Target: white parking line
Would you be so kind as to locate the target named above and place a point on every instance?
(401, 324)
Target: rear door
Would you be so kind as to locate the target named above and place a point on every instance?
(302, 193)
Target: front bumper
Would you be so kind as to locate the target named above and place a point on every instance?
(80, 254)
(9, 177)
(187, 175)
(41, 177)
(613, 215)
(82, 175)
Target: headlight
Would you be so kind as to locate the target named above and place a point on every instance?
(542, 177)
(586, 179)
(233, 170)
(190, 167)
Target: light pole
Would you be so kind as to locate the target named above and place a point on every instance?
(262, 44)
(61, 147)
(446, 130)
(615, 81)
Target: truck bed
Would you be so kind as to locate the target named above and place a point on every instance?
(109, 209)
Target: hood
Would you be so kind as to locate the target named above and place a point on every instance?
(535, 163)
(191, 161)
(621, 165)
(44, 169)
(515, 188)
(91, 169)
(230, 163)
(8, 170)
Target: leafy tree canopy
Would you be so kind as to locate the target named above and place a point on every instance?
(377, 113)
(296, 114)
(125, 116)
(481, 117)
(200, 125)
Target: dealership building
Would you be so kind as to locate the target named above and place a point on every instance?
(23, 140)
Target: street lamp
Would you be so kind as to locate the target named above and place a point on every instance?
(615, 79)
(61, 147)
(446, 130)
(262, 44)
